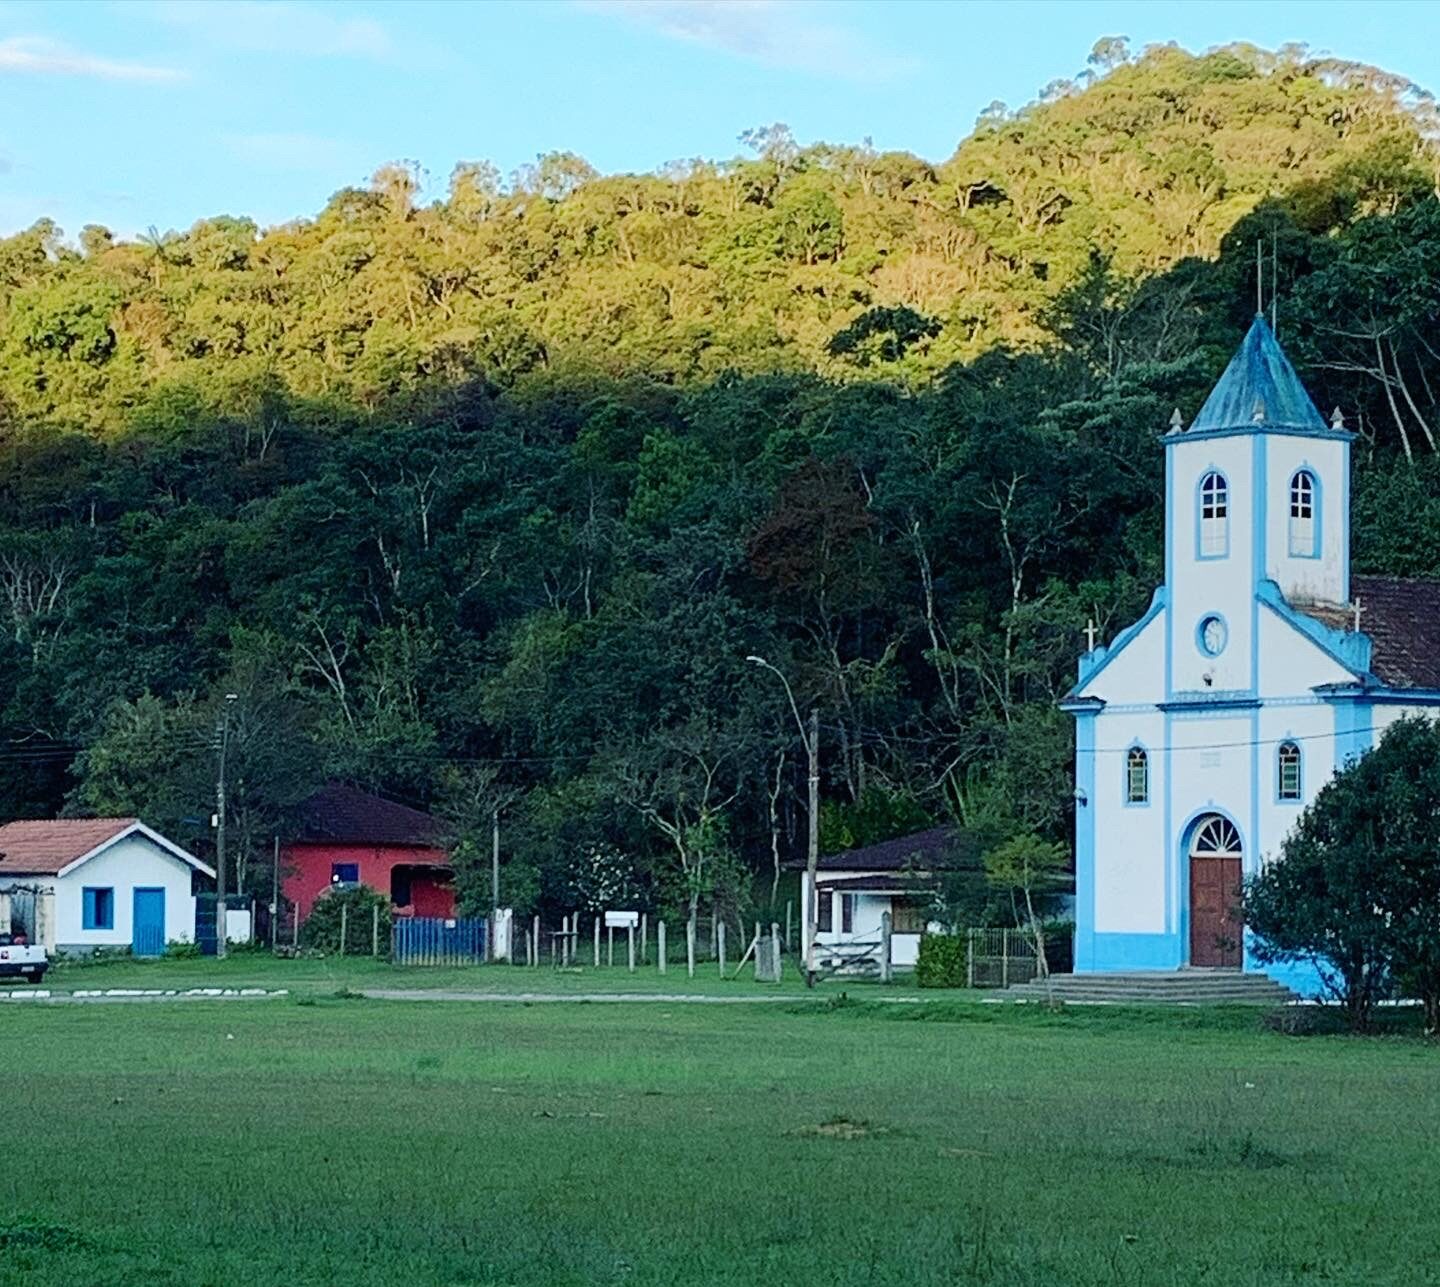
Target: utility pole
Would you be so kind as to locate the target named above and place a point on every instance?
(494, 880)
(810, 735)
(812, 857)
(220, 916)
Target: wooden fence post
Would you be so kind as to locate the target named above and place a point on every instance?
(609, 944)
(295, 942)
(536, 937)
(644, 938)
(775, 947)
(375, 930)
(720, 947)
(885, 922)
(1005, 958)
(344, 922)
(597, 942)
(969, 958)
(690, 945)
(660, 944)
(714, 928)
(789, 908)
(630, 940)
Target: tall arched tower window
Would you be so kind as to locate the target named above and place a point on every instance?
(1214, 500)
(1287, 766)
(1137, 776)
(1304, 504)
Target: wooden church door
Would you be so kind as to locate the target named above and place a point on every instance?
(1215, 927)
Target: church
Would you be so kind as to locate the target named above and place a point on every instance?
(1259, 669)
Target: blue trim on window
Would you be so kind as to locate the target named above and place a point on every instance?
(1200, 634)
(1085, 806)
(1125, 799)
(97, 907)
(1289, 739)
(1200, 554)
(1317, 527)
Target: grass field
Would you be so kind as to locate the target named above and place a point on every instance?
(328, 1141)
(326, 975)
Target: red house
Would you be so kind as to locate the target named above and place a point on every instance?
(349, 837)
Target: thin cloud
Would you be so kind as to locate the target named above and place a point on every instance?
(278, 28)
(792, 36)
(281, 151)
(35, 55)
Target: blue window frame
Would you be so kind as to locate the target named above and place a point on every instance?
(1212, 517)
(1304, 530)
(1137, 776)
(1289, 784)
(98, 908)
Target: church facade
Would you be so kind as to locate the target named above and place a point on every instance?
(1260, 667)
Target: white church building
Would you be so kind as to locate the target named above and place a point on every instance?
(1260, 667)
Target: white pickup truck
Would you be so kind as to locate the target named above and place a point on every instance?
(20, 959)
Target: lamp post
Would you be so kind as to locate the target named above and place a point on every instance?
(810, 735)
(224, 739)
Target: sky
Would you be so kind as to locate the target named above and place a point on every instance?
(161, 112)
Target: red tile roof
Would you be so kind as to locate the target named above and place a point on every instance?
(44, 848)
(1402, 618)
(342, 814)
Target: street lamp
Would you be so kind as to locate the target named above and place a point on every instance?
(811, 737)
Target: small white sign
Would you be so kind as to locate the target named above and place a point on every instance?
(622, 920)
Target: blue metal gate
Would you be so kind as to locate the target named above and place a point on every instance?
(425, 940)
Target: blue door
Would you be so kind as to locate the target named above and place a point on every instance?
(148, 936)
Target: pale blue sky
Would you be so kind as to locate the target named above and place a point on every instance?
(164, 111)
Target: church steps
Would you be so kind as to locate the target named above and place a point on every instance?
(1137, 988)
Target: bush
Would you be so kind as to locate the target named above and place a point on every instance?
(182, 950)
(943, 961)
(321, 930)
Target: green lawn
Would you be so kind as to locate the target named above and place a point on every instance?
(328, 1141)
(326, 975)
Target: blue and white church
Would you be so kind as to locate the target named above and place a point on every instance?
(1260, 667)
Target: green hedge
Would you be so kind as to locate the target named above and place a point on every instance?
(321, 930)
(943, 961)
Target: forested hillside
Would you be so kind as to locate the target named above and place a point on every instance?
(486, 500)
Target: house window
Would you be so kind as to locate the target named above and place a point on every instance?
(1304, 531)
(98, 910)
(847, 913)
(344, 873)
(1137, 776)
(824, 912)
(1288, 758)
(908, 915)
(1214, 516)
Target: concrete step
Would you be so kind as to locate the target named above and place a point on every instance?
(1187, 987)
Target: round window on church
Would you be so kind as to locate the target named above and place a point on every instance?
(1212, 635)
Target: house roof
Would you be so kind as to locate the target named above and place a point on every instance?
(339, 813)
(53, 846)
(877, 883)
(1401, 617)
(938, 849)
(1259, 388)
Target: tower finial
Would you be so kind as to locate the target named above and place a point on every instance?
(1337, 419)
(1177, 422)
(1258, 414)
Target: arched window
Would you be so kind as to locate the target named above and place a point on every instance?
(1137, 776)
(1304, 506)
(1287, 764)
(1214, 516)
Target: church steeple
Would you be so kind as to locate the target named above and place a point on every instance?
(1259, 387)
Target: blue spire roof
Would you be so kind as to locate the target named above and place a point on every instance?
(1259, 387)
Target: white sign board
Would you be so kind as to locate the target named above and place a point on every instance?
(622, 920)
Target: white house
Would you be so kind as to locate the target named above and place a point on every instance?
(858, 886)
(82, 883)
(1260, 667)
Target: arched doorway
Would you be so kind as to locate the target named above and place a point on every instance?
(1215, 927)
